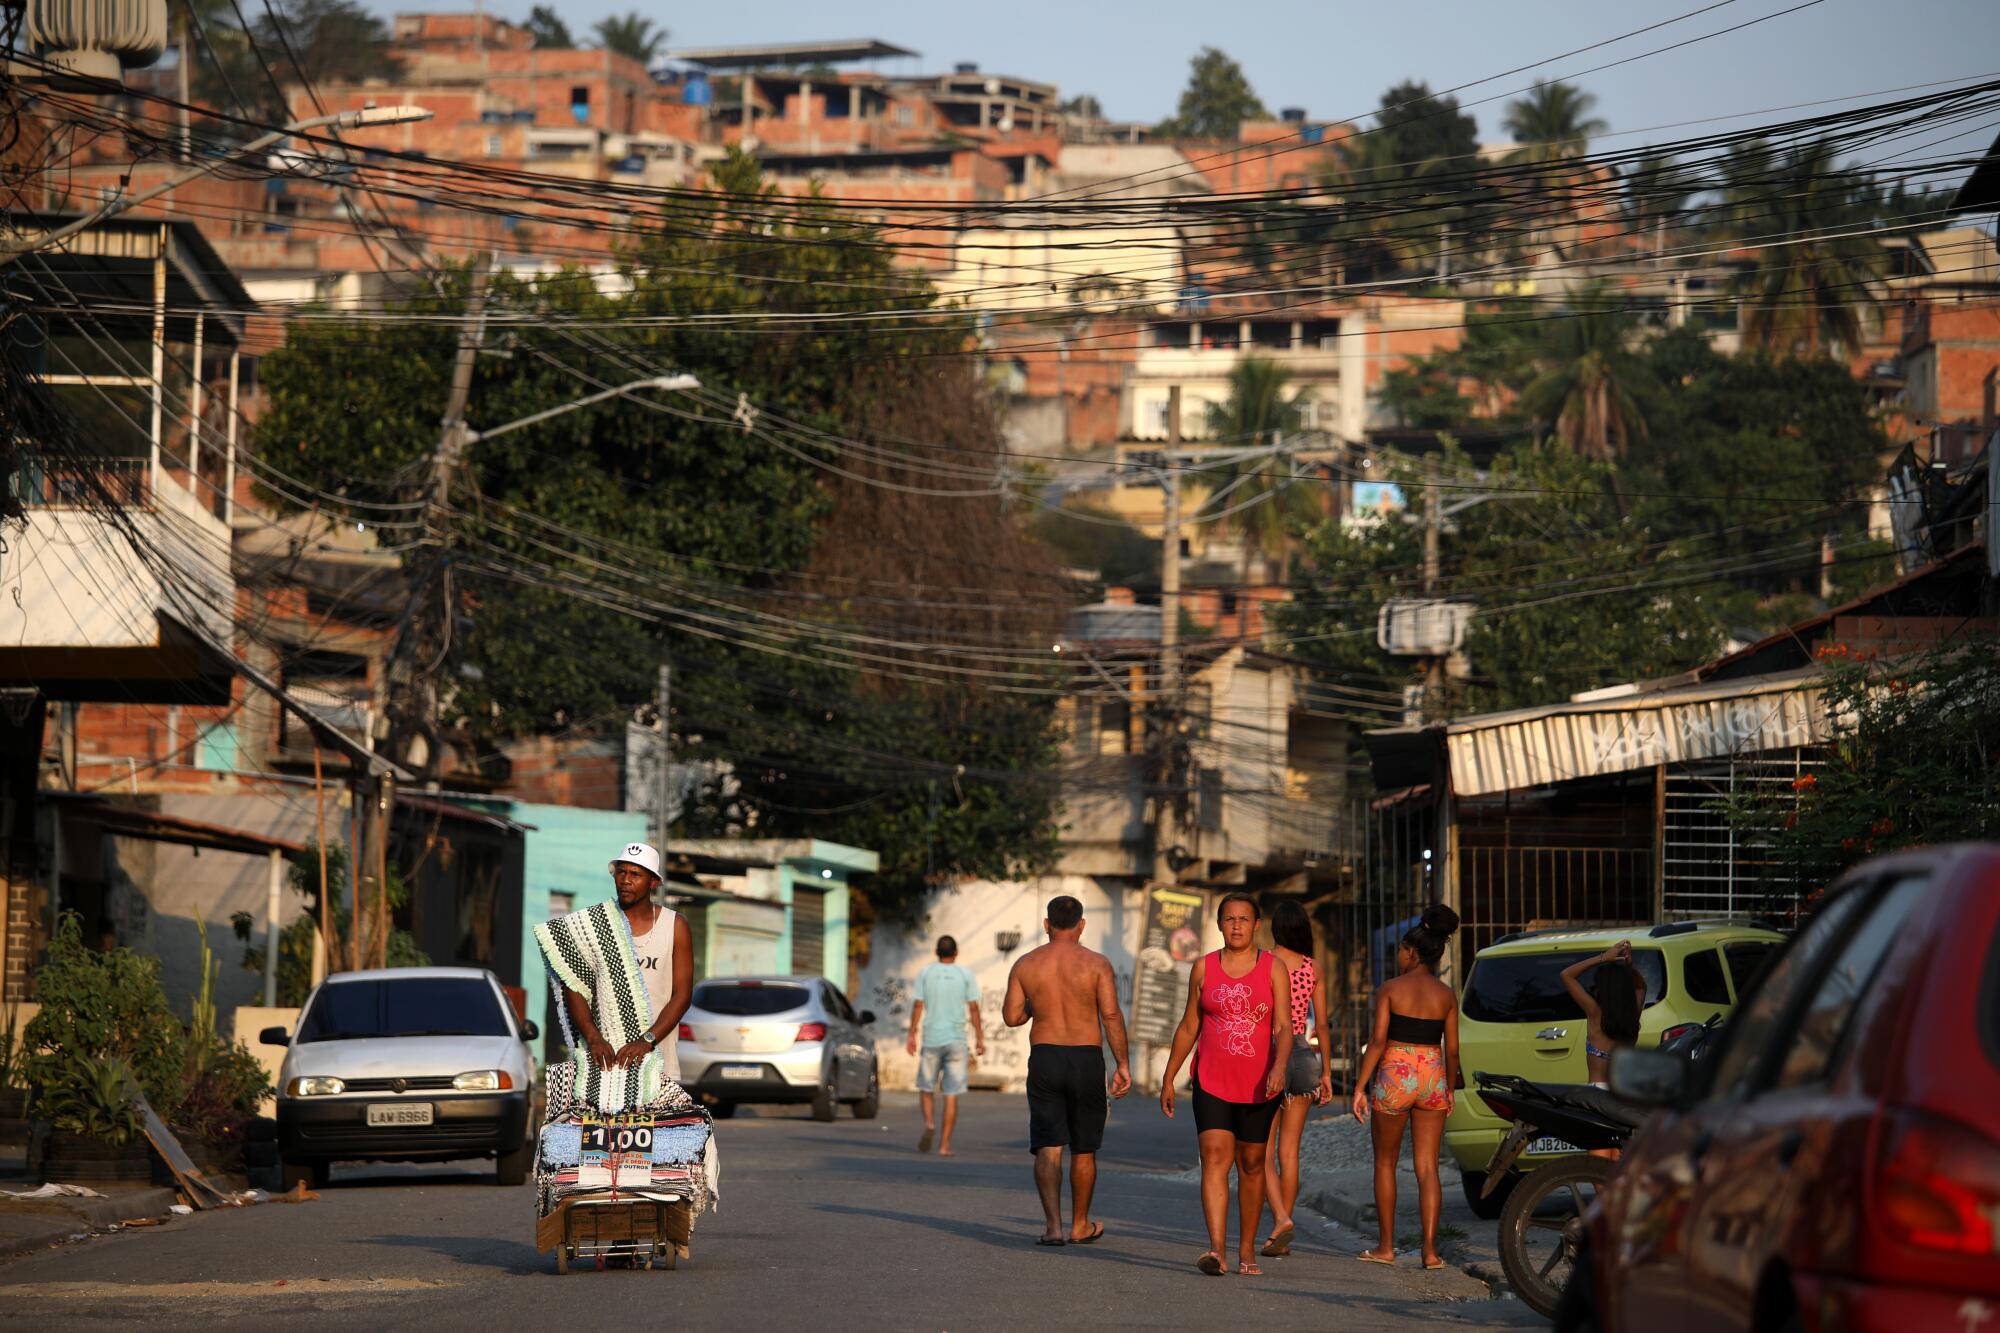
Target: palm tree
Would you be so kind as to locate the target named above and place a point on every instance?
(1592, 385)
(1817, 269)
(630, 34)
(1255, 497)
(1553, 123)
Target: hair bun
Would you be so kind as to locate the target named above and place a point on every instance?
(1440, 920)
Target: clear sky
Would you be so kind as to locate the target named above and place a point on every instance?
(1335, 57)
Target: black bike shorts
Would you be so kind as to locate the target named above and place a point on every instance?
(1250, 1122)
(1067, 1102)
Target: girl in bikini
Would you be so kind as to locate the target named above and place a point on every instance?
(1308, 1082)
(1409, 1072)
(1610, 1007)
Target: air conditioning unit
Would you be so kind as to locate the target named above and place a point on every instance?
(97, 39)
(1422, 627)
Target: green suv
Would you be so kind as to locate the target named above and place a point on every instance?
(1515, 1018)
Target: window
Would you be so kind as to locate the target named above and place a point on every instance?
(579, 98)
(1527, 988)
(405, 1007)
(1210, 781)
(1753, 1026)
(215, 752)
(1170, 335)
(1746, 960)
(750, 999)
(1114, 723)
(906, 116)
(1702, 978)
(492, 145)
(1809, 1056)
(837, 1004)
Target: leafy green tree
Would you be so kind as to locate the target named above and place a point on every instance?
(1422, 127)
(1085, 536)
(630, 34)
(1261, 408)
(633, 535)
(1570, 594)
(1553, 124)
(1084, 106)
(326, 41)
(1217, 100)
(1915, 762)
(1817, 269)
(548, 29)
(1593, 385)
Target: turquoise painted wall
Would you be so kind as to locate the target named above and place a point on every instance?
(569, 852)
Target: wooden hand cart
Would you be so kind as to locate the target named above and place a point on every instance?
(603, 1225)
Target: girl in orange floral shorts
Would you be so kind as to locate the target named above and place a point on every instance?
(1408, 1073)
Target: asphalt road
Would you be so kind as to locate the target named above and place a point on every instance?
(822, 1227)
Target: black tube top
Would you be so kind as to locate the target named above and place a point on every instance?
(1415, 1031)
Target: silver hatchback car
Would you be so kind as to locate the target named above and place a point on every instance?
(778, 1039)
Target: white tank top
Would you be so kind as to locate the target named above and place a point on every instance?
(655, 950)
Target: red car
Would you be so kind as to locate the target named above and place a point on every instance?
(1835, 1164)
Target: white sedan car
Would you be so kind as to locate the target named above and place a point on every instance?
(778, 1039)
(405, 1064)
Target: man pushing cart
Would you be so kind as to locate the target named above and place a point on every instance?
(626, 1159)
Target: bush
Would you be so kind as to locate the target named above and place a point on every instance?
(222, 1100)
(99, 1007)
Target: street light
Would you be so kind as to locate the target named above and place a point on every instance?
(664, 383)
(373, 115)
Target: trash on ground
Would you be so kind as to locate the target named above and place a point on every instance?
(180, 1209)
(54, 1191)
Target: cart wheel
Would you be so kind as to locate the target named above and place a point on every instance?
(562, 1259)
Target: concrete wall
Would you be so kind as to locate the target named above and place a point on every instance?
(974, 912)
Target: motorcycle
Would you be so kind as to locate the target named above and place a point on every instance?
(1541, 1228)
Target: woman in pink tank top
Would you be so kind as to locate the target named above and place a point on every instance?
(1238, 1026)
(1307, 1080)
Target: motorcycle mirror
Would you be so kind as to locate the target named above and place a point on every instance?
(1649, 1078)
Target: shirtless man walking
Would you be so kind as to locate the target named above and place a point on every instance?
(1069, 991)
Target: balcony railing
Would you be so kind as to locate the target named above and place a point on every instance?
(117, 481)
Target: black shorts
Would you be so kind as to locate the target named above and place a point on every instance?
(1250, 1122)
(1067, 1102)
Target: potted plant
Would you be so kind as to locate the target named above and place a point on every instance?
(104, 1028)
(95, 1128)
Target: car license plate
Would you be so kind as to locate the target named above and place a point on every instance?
(743, 1071)
(390, 1116)
(1549, 1143)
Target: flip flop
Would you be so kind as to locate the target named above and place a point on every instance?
(1367, 1258)
(1280, 1243)
(1054, 1242)
(1091, 1239)
(1248, 1268)
(1210, 1263)
(1436, 1266)
(924, 1143)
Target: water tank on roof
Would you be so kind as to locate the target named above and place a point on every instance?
(1293, 115)
(97, 39)
(966, 67)
(696, 90)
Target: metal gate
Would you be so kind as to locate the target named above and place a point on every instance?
(808, 932)
(1711, 869)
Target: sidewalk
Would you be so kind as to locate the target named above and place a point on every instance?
(1337, 1179)
(28, 1225)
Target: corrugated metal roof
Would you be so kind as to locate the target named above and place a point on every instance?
(1532, 747)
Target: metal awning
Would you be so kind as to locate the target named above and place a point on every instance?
(130, 821)
(466, 814)
(1534, 747)
(105, 273)
(788, 53)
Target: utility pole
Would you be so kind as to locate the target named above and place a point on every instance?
(1167, 708)
(662, 790)
(407, 722)
(181, 76)
(1433, 528)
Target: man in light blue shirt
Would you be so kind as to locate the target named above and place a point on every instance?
(947, 999)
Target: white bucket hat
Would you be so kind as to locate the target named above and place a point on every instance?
(643, 855)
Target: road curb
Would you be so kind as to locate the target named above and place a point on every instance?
(70, 1216)
(1361, 1216)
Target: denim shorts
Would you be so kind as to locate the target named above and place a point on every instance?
(1302, 1074)
(942, 1069)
